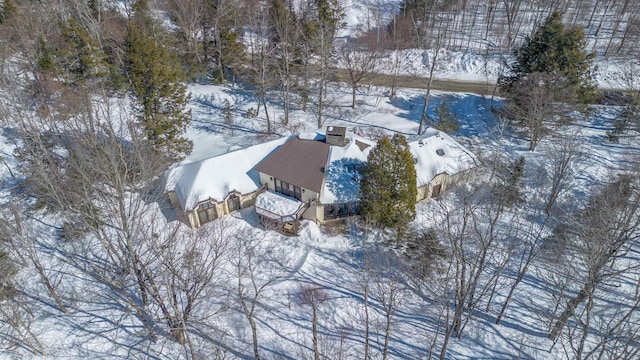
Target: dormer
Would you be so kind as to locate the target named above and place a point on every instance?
(336, 135)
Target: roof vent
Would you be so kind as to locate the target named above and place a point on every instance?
(440, 152)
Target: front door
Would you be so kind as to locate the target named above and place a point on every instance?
(435, 192)
(233, 203)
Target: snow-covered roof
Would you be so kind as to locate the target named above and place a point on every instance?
(216, 177)
(279, 205)
(342, 181)
(435, 152)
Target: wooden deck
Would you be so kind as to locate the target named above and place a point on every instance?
(288, 228)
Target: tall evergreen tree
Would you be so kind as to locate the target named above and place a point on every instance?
(551, 69)
(388, 187)
(80, 57)
(156, 79)
(560, 52)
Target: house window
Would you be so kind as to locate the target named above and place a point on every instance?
(288, 189)
(207, 212)
(341, 210)
(233, 202)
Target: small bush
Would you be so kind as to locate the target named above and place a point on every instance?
(422, 251)
(72, 231)
(251, 113)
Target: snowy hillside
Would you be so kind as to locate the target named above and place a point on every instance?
(534, 254)
(479, 59)
(330, 258)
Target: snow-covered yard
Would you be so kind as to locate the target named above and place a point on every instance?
(336, 260)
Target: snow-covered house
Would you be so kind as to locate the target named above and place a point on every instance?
(308, 176)
(440, 162)
(296, 169)
(207, 189)
(324, 178)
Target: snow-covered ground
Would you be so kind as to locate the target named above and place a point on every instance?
(474, 65)
(330, 258)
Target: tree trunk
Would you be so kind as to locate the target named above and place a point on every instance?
(254, 336)
(266, 114)
(320, 105)
(366, 319)
(508, 299)
(353, 95)
(445, 343)
(570, 310)
(316, 352)
(423, 117)
(178, 332)
(47, 283)
(387, 333)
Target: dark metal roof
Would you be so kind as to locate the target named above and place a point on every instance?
(336, 130)
(298, 162)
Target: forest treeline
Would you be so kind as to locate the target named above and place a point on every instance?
(280, 49)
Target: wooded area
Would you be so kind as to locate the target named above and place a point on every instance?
(94, 101)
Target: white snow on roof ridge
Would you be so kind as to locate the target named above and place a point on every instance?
(429, 163)
(215, 177)
(310, 136)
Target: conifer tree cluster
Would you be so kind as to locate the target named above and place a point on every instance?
(388, 186)
(156, 79)
(447, 121)
(80, 56)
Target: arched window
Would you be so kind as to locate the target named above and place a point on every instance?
(207, 212)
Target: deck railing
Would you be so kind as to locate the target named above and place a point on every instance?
(284, 218)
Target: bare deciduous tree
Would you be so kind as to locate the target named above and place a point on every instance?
(188, 272)
(602, 234)
(24, 245)
(360, 63)
(532, 101)
(566, 157)
(387, 292)
(15, 312)
(313, 296)
(255, 272)
(476, 232)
